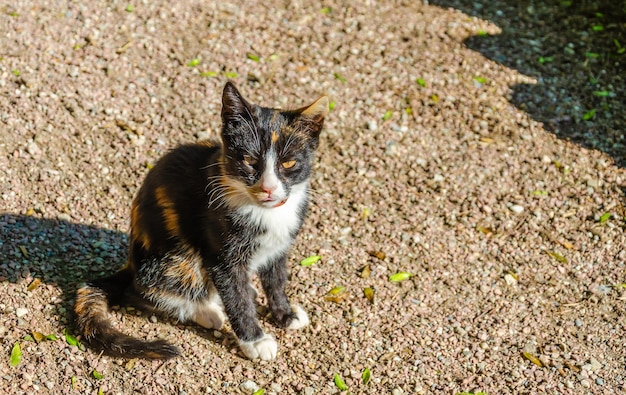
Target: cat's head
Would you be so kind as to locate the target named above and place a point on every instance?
(267, 153)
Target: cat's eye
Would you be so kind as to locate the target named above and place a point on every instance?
(288, 164)
(249, 161)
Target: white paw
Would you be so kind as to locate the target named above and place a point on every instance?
(210, 316)
(301, 319)
(265, 348)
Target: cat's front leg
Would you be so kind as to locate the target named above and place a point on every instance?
(274, 280)
(232, 284)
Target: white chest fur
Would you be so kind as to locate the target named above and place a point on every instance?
(279, 222)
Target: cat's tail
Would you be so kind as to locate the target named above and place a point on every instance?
(91, 310)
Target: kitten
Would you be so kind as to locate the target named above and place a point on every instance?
(207, 217)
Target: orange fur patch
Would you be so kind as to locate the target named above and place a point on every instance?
(136, 230)
(170, 216)
(274, 137)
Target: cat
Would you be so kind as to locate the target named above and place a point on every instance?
(207, 217)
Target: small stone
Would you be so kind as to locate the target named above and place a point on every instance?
(308, 391)
(33, 149)
(510, 279)
(595, 364)
(204, 135)
(153, 319)
(64, 217)
(249, 386)
(397, 391)
(372, 125)
(516, 208)
(217, 334)
(578, 323)
(21, 312)
(438, 178)
(585, 383)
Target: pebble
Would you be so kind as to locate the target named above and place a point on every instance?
(578, 323)
(585, 383)
(64, 217)
(397, 391)
(516, 208)
(249, 386)
(153, 319)
(217, 334)
(308, 391)
(21, 312)
(599, 381)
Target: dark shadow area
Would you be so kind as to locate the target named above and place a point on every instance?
(65, 254)
(57, 252)
(577, 52)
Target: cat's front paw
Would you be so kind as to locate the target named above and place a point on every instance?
(210, 316)
(265, 348)
(300, 318)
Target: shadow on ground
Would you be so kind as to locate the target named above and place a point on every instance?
(577, 52)
(57, 252)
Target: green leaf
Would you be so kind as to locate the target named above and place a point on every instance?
(100, 392)
(309, 261)
(230, 75)
(546, 59)
(481, 33)
(260, 391)
(597, 28)
(605, 217)
(539, 192)
(208, 74)
(16, 355)
(28, 338)
(340, 78)
(421, 82)
(51, 337)
(253, 57)
(331, 105)
(130, 8)
(602, 93)
(366, 375)
(557, 256)
(481, 80)
(340, 383)
(400, 276)
(337, 290)
(387, 115)
(592, 55)
(70, 339)
(16, 72)
(193, 63)
(273, 57)
(97, 375)
(589, 114)
(326, 10)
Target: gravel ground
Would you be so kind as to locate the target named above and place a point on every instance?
(504, 205)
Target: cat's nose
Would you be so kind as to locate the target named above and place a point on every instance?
(267, 186)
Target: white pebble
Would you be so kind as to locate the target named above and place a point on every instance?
(153, 319)
(217, 334)
(249, 386)
(21, 312)
(517, 209)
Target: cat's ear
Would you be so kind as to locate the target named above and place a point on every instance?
(234, 106)
(315, 113)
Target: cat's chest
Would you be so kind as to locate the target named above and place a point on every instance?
(280, 224)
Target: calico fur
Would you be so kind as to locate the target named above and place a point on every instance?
(207, 217)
